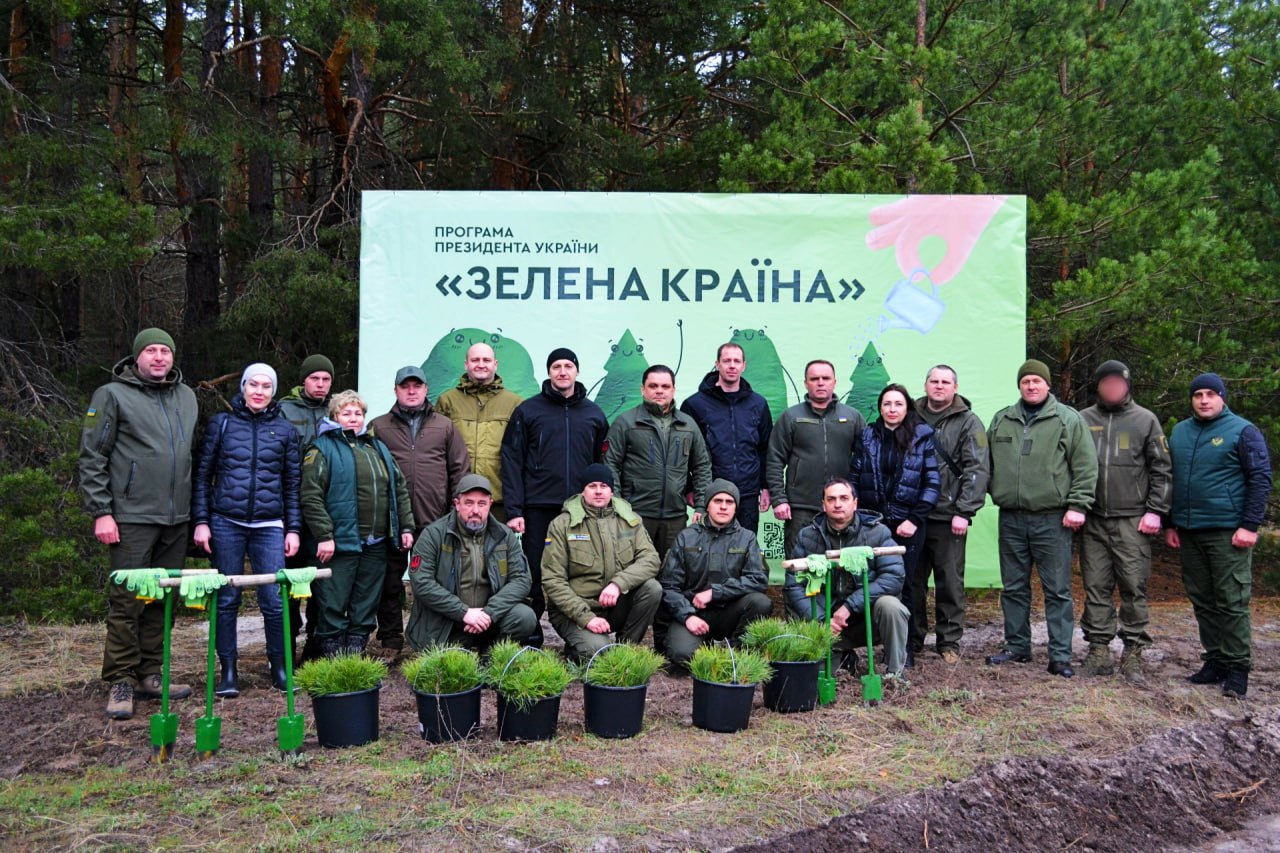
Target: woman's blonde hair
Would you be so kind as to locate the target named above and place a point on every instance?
(342, 399)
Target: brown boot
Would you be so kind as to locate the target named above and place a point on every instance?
(1098, 661)
(149, 688)
(120, 701)
(1131, 665)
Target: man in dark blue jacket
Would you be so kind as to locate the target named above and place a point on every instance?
(735, 422)
(1221, 481)
(550, 440)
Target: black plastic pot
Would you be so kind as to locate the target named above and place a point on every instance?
(722, 707)
(347, 719)
(794, 686)
(536, 723)
(614, 711)
(448, 716)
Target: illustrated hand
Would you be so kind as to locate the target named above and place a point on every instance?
(958, 220)
(697, 626)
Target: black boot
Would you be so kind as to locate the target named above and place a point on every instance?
(355, 644)
(1211, 673)
(330, 646)
(279, 678)
(228, 687)
(1236, 683)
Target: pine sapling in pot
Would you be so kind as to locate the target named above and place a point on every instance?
(524, 677)
(788, 640)
(349, 673)
(443, 670)
(623, 665)
(721, 665)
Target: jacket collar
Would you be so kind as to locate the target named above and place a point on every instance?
(578, 510)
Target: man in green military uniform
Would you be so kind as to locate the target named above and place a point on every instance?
(1221, 482)
(1133, 492)
(1043, 472)
(135, 475)
(469, 576)
(599, 569)
(480, 408)
(713, 580)
(655, 451)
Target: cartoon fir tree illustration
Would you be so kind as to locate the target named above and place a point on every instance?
(620, 388)
(866, 382)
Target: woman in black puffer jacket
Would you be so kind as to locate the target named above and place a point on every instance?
(895, 472)
(245, 499)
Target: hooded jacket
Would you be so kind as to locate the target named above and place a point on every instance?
(435, 570)
(549, 441)
(908, 492)
(886, 574)
(587, 549)
(249, 468)
(433, 459)
(653, 467)
(807, 448)
(1043, 462)
(960, 433)
(1134, 470)
(136, 448)
(481, 414)
(736, 428)
(725, 560)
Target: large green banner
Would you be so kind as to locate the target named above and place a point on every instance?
(882, 286)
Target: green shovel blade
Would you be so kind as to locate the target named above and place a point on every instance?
(208, 736)
(164, 733)
(826, 689)
(289, 731)
(872, 689)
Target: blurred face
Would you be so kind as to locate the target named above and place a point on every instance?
(940, 388)
(659, 389)
(597, 495)
(258, 391)
(351, 416)
(1206, 404)
(563, 375)
(1034, 390)
(317, 385)
(721, 508)
(481, 364)
(730, 365)
(1113, 389)
(839, 504)
(820, 382)
(893, 408)
(411, 393)
(155, 362)
(473, 508)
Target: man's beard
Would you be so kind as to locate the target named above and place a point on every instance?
(473, 526)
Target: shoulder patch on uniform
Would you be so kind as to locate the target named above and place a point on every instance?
(311, 456)
(414, 562)
(92, 413)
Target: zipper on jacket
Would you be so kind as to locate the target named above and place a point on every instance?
(173, 460)
(128, 483)
(253, 470)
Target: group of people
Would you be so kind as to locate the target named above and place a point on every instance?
(499, 509)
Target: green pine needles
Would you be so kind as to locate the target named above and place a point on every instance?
(524, 676)
(788, 640)
(443, 670)
(623, 665)
(722, 665)
(347, 673)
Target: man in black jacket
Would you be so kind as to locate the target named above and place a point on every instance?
(551, 439)
(735, 422)
(713, 579)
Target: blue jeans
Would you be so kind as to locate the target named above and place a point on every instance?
(265, 547)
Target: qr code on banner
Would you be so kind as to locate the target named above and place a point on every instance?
(772, 541)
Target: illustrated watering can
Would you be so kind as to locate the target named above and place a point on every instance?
(911, 306)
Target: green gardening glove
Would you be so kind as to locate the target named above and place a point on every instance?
(299, 581)
(814, 574)
(196, 589)
(144, 583)
(855, 560)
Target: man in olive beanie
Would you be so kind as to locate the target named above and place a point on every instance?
(1134, 488)
(714, 580)
(135, 475)
(1043, 472)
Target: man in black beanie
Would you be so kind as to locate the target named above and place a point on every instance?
(599, 569)
(1134, 488)
(551, 438)
(1221, 482)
